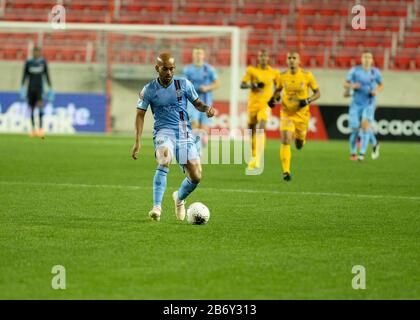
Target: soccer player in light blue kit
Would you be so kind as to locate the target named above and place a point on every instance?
(172, 135)
(366, 82)
(204, 78)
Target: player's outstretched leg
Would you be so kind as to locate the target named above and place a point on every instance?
(375, 144)
(33, 132)
(260, 141)
(286, 153)
(375, 151)
(159, 187)
(359, 140)
(285, 157)
(365, 139)
(163, 157)
(253, 162)
(41, 132)
(353, 143)
(188, 185)
(364, 145)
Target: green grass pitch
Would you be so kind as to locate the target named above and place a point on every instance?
(81, 202)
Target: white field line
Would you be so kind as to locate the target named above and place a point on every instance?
(291, 193)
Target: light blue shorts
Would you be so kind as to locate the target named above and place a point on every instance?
(358, 113)
(184, 149)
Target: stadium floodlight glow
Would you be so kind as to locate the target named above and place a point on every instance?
(237, 47)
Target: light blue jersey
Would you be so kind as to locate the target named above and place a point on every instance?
(369, 80)
(363, 103)
(168, 105)
(200, 76)
(172, 127)
(362, 106)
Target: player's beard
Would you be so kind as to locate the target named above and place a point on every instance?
(166, 80)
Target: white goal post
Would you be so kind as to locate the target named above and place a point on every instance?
(237, 44)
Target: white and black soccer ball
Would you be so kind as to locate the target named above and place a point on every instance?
(198, 213)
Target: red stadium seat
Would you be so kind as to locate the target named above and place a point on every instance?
(402, 62)
(415, 26)
(411, 41)
(223, 57)
(310, 26)
(49, 54)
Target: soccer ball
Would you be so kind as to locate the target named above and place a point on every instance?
(198, 213)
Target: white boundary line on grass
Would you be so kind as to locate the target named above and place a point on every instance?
(292, 193)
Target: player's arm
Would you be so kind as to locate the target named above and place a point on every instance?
(276, 96)
(378, 89)
(347, 90)
(202, 107)
(192, 97)
(252, 85)
(246, 80)
(350, 85)
(25, 75)
(47, 74)
(142, 105)
(379, 82)
(139, 130)
(316, 94)
(50, 93)
(247, 83)
(212, 86)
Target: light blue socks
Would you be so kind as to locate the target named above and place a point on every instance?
(186, 188)
(159, 184)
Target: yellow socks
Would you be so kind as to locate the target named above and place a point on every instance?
(259, 148)
(285, 156)
(254, 145)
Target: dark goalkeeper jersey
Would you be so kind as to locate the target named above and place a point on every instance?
(36, 71)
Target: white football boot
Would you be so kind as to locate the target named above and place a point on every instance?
(155, 213)
(375, 152)
(179, 206)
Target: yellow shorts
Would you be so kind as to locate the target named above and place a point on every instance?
(295, 122)
(257, 115)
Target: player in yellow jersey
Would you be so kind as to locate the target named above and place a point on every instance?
(292, 86)
(261, 81)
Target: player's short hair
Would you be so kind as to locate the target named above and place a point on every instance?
(167, 54)
(199, 48)
(367, 51)
(293, 51)
(36, 48)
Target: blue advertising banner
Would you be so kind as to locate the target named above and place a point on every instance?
(69, 113)
(399, 124)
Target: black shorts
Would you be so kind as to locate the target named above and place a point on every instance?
(34, 97)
